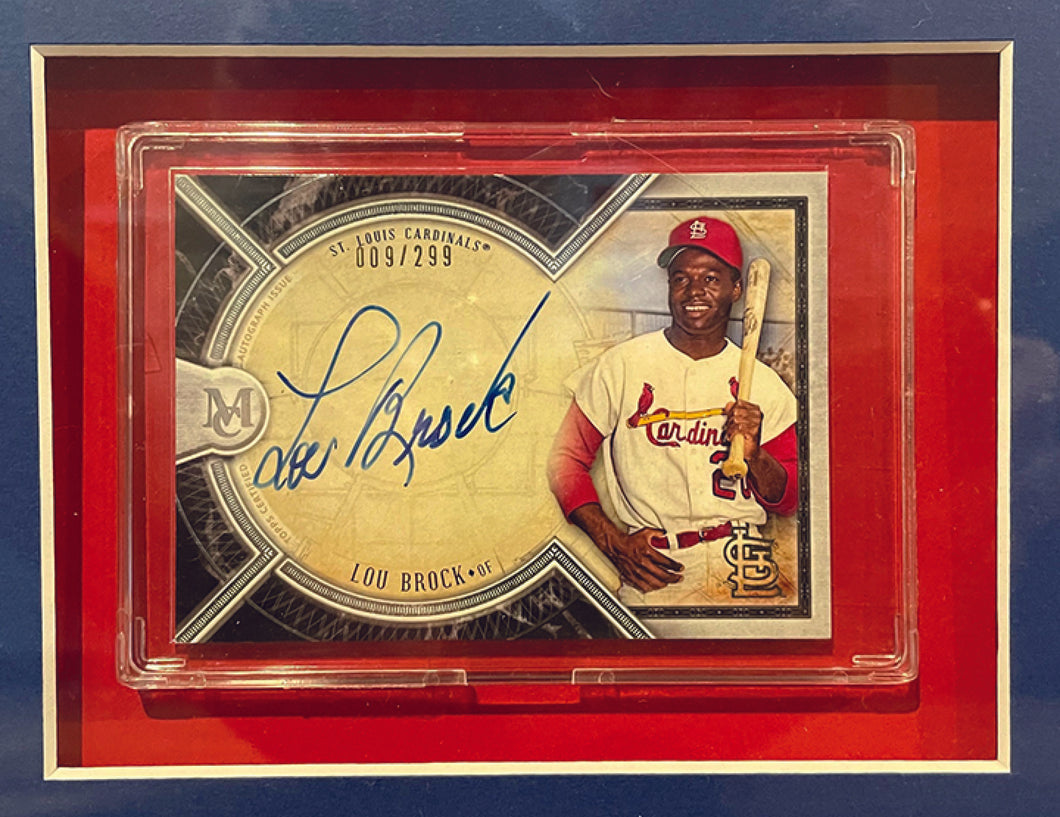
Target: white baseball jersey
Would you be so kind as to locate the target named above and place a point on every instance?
(660, 413)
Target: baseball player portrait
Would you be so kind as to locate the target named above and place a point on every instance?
(660, 411)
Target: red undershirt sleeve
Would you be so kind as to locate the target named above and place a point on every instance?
(572, 455)
(784, 448)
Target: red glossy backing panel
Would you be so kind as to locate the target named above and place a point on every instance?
(954, 101)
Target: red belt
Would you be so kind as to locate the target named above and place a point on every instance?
(688, 538)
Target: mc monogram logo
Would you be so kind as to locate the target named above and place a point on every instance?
(220, 415)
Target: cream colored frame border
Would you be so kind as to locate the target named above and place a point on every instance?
(51, 769)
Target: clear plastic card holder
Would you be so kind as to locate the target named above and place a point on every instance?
(462, 404)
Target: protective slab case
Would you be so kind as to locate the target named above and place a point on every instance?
(347, 352)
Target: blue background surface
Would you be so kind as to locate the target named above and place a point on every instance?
(1034, 785)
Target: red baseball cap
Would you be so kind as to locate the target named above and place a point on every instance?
(713, 235)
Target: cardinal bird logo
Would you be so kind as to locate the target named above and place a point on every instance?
(647, 395)
(668, 429)
(734, 387)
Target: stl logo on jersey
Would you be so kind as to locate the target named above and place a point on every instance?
(668, 429)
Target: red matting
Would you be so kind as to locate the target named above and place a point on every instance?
(950, 714)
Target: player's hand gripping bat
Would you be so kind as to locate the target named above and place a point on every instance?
(753, 313)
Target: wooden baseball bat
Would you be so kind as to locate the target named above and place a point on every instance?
(753, 314)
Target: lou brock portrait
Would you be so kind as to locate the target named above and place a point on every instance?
(644, 461)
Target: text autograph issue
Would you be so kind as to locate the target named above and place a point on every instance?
(284, 468)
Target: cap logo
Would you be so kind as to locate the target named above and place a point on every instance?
(697, 230)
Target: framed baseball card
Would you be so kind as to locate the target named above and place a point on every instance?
(420, 393)
(385, 401)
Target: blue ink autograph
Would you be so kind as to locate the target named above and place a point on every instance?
(285, 468)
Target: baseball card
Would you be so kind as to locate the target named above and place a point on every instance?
(466, 407)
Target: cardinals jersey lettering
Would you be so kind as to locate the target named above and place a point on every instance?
(661, 414)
